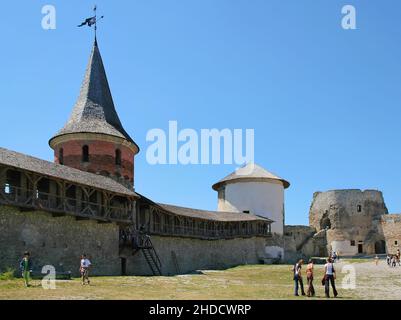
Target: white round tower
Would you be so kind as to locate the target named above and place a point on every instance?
(252, 189)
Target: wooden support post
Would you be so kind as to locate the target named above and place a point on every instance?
(99, 202)
(78, 197)
(23, 187)
(53, 194)
(3, 177)
(3, 180)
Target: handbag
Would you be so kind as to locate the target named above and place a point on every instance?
(324, 280)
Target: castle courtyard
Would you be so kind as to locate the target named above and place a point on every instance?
(243, 282)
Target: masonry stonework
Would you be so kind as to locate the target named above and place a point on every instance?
(351, 219)
(184, 255)
(101, 160)
(391, 225)
(303, 242)
(57, 241)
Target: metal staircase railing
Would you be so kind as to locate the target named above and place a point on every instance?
(149, 252)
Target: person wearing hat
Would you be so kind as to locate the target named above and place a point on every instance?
(25, 267)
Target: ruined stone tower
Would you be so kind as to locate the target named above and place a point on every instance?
(352, 220)
(93, 139)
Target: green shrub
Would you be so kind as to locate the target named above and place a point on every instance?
(8, 275)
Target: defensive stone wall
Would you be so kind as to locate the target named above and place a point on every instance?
(57, 241)
(183, 255)
(391, 225)
(303, 242)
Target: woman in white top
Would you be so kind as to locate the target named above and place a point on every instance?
(329, 277)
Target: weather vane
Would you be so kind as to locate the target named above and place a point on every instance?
(92, 21)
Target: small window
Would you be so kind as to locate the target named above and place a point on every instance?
(396, 243)
(359, 208)
(246, 211)
(118, 157)
(352, 243)
(85, 154)
(61, 156)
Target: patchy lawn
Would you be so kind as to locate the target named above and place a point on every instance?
(243, 282)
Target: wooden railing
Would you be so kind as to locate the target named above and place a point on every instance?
(182, 231)
(163, 223)
(35, 199)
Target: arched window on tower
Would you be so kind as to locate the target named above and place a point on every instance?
(85, 154)
(118, 157)
(61, 156)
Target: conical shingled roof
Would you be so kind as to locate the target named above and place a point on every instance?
(248, 173)
(94, 111)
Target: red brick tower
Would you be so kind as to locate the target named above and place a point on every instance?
(93, 139)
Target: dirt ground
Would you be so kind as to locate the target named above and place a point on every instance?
(256, 282)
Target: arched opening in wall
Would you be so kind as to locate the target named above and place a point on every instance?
(325, 222)
(85, 153)
(61, 156)
(380, 247)
(118, 157)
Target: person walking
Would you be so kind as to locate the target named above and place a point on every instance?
(309, 277)
(394, 261)
(25, 267)
(298, 278)
(84, 269)
(334, 257)
(330, 277)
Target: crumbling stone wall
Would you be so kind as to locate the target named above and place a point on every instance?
(391, 225)
(303, 242)
(351, 218)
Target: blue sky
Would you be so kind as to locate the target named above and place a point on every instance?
(325, 102)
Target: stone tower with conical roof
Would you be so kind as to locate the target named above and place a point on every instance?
(93, 139)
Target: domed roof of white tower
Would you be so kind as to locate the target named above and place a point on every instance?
(250, 173)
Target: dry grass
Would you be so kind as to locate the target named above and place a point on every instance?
(244, 282)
